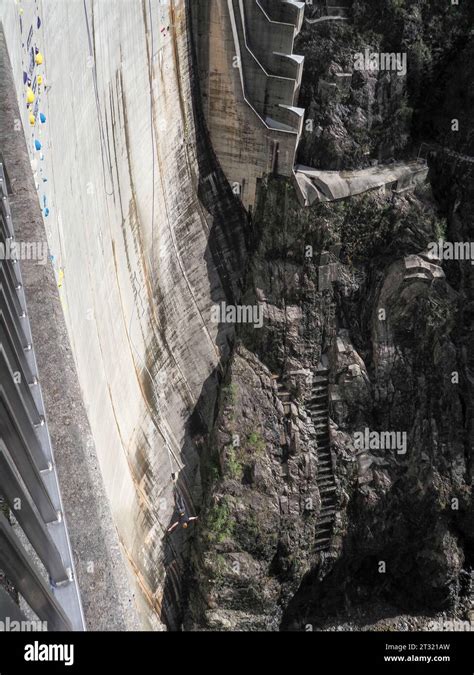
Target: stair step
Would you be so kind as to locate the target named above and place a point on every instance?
(324, 483)
(320, 546)
(325, 471)
(325, 474)
(323, 532)
(326, 519)
(325, 479)
(328, 511)
(328, 488)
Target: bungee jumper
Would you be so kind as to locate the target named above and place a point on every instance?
(183, 518)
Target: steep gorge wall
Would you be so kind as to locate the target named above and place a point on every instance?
(144, 236)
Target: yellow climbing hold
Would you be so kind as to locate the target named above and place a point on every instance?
(32, 119)
(40, 79)
(30, 97)
(39, 58)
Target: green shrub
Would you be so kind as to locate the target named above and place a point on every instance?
(220, 524)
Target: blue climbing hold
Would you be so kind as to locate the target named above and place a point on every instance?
(46, 212)
(25, 77)
(38, 23)
(38, 145)
(42, 118)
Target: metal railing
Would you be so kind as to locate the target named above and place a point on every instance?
(35, 552)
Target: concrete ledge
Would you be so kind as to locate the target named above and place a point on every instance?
(316, 185)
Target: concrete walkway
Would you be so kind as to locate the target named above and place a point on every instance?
(327, 186)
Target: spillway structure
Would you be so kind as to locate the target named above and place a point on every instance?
(250, 79)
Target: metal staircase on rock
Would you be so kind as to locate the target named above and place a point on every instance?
(318, 408)
(339, 8)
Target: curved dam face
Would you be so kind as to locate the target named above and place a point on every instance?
(144, 237)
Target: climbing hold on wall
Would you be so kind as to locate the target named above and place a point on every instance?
(38, 145)
(42, 118)
(25, 77)
(30, 97)
(38, 23)
(40, 79)
(38, 58)
(32, 119)
(46, 212)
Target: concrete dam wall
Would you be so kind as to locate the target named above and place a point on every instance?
(250, 82)
(145, 236)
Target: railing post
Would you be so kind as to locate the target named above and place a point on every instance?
(24, 575)
(29, 519)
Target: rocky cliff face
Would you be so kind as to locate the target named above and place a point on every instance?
(360, 116)
(363, 332)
